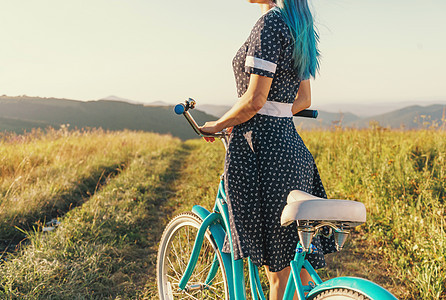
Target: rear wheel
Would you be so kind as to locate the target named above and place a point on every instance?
(174, 252)
(340, 294)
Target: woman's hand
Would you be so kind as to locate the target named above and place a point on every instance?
(210, 127)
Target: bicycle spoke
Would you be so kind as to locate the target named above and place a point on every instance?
(216, 294)
(188, 244)
(205, 261)
(179, 248)
(189, 251)
(173, 268)
(171, 277)
(190, 295)
(208, 267)
(214, 284)
(178, 258)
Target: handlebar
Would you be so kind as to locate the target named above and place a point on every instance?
(307, 113)
(182, 109)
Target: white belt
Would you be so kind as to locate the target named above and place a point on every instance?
(276, 109)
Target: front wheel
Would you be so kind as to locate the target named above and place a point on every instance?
(340, 294)
(208, 280)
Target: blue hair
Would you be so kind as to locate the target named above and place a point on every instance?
(306, 55)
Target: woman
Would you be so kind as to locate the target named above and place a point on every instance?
(266, 157)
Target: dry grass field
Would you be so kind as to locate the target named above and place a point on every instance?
(113, 193)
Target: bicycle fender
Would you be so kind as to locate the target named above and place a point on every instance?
(216, 229)
(200, 211)
(219, 237)
(364, 286)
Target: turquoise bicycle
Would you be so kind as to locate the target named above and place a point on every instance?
(191, 264)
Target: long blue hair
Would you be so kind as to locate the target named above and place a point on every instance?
(297, 15)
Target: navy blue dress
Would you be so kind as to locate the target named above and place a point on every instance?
(266, 158)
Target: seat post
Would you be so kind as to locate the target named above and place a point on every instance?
(306, 233)
(340, 236)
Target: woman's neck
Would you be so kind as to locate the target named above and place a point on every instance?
(264, 7)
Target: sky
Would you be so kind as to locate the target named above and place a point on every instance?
(170, 50)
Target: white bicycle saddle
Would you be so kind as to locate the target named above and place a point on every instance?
(304, 206)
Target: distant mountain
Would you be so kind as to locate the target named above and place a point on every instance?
(20, 125)
(373, 108)
(215, 110)
(326, 120)
(19, 114)
(410, 117)
(119, 99)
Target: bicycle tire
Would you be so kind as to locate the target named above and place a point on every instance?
(173, 255)
(340, 294)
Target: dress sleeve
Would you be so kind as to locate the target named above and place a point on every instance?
(264, 47)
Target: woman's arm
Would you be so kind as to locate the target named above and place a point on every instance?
(248, 105)
(303, 97)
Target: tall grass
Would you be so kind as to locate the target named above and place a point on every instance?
(106, 247)
(399, 175)
(401, 178)
(102, 249)
(42, 175)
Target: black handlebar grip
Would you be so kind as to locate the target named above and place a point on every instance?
(307, 113)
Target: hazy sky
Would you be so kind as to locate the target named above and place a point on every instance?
(169, 50)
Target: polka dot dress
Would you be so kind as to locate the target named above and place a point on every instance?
(266, 158)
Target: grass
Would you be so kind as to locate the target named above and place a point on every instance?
(102, 248)
(401, 178)
(106, 247)
(44, 175)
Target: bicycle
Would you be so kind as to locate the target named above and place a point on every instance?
(191, 265)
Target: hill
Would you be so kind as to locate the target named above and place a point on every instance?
(411, 117)
(326, 120)
(19, 114)
(375, 108)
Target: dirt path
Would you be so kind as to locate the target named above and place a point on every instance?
(106, 245)
(160, 217)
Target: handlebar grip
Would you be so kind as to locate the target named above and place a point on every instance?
(307, 113)
(179, 109)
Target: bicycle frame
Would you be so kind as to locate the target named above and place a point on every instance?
(217, 222)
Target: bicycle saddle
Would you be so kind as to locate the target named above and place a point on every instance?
(306, 207)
